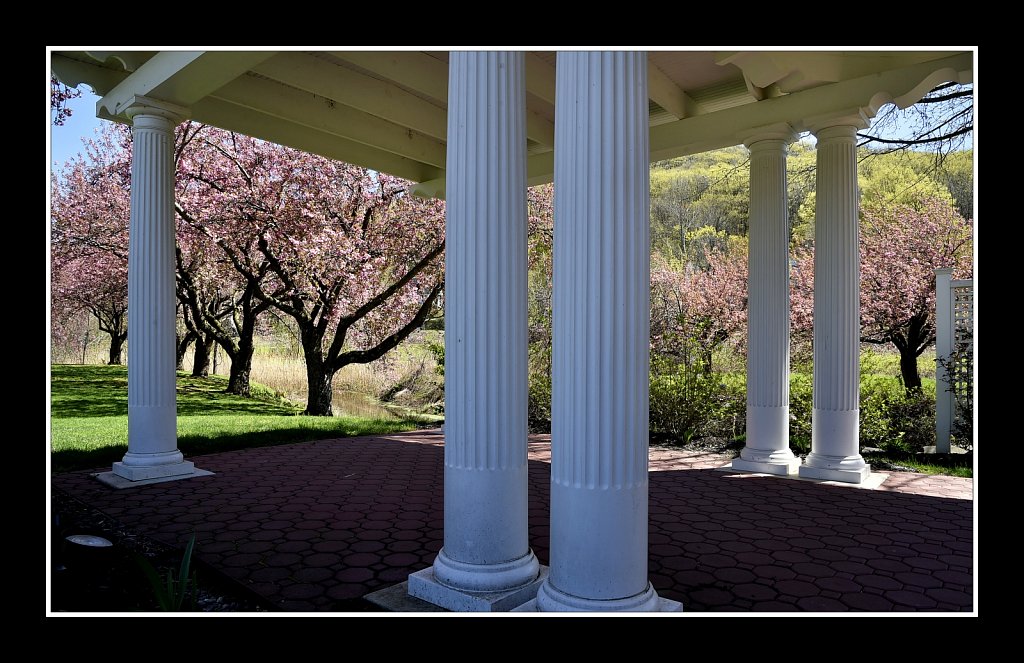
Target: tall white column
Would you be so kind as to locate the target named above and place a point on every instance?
(152, 406)
(835, 420)
(601, 336)
(485, 503)
(767, 446)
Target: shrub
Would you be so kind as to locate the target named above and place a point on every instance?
(690, 401)
(913, 419)
(894, 420)
(890, 419)
(801, 402)
(538, 410)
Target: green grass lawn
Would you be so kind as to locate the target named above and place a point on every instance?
(930, 468)
(89, 418)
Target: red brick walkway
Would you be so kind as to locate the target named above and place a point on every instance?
(317, 525)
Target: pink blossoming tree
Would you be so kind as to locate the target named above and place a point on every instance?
(901, 246)
(344, 251)
(89, 237)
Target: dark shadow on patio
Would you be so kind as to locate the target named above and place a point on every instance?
(317, 525)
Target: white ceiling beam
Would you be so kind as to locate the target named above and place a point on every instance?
(539, 170)
(540, 78)
(220, 113)
(412, 69)
(540, 129)
(429, 76)
(299, 107)
(664, 92)
(179, 77)
(903, 86)
(366, 93)
(721, 128)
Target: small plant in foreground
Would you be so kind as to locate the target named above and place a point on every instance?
(171, 591)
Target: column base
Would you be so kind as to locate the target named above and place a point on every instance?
(425, 586)
(550, 599)
(834, 474)
(117, 481)
(782, 468)
(141, 472)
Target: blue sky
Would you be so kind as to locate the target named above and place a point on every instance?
(66, 140)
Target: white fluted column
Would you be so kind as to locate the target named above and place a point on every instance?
(601, 336)
(835, 420)
(152, 405)
(767, 446)
(485, 502)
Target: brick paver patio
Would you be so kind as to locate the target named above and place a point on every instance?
(317, 525)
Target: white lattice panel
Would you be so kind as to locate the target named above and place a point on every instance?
(962, 296)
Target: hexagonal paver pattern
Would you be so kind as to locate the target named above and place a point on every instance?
(317, 525)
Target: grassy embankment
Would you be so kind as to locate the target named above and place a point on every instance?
(89, 417)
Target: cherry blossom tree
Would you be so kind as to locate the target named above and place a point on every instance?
(97, 284)
(60, 95)
(901, 246)
(342, 250)
(219, 306)
(89, 237)
(707, 307)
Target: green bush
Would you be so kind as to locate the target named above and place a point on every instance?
(913, 417)
(893, 420)
(690, 401)
(801, 403)
(538, 408)
(877, 394)
(436, 349)
(889, 419)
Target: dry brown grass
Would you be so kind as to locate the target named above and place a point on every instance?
(357, 387)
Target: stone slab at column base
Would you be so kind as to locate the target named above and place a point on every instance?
(396, 599)
(872, 481)
(781, 469)
(423, 585)
(827, 474)
(647, 601)
(127, 476)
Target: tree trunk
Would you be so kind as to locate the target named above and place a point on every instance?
(85, 344)
(180, 348)
(320, 381)
(116, 346)
(241, 367)
(919, 335)
(908, 369)
(201, 362)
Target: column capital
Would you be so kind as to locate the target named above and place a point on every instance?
(781, 131)
(857, 118)
(139, 105)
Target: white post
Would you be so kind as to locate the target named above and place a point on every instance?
(486, 563)
(944, 397)
(767, 446)
(835, 422)
(152, 414)
(601, 335)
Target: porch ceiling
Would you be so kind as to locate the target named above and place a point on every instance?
(386, 110)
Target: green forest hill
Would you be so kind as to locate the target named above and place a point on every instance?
(701, 200)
